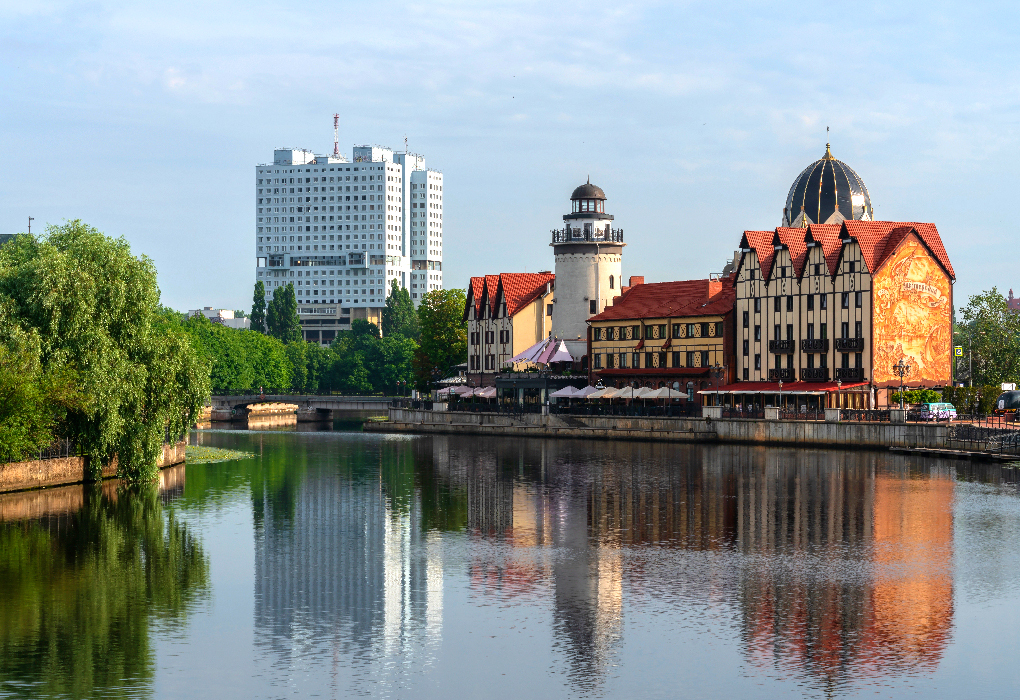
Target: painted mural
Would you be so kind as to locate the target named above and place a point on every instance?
(913, 317)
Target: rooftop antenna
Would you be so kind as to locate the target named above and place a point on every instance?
(30, 220)
(336, 138)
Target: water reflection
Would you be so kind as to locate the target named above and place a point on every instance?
(85, 571)
(827, 567)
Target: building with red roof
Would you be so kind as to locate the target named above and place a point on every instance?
(505, 313)
(675, 334)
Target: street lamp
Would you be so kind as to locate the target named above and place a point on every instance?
(780, 394)
(901, 370)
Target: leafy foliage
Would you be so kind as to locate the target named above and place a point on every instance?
(258, 308)
(95, 309)
(399, 315)
(994, 330)
(282, 319)
(975, 399)
(915, 396)
(443, 335)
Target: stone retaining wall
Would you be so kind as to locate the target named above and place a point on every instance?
(18, 476)
(819, 434)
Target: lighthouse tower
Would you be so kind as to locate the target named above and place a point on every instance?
(588, 252)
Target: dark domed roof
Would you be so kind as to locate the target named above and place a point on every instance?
(588, 191)
(823, 187)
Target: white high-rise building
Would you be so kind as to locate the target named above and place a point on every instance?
(341, 231)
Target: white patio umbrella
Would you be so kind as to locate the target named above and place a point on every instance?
(567, 392)
(585, 392)
(532, 353)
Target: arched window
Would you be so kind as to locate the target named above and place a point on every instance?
(611, 282)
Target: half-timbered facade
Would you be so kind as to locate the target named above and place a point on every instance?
(506, 314)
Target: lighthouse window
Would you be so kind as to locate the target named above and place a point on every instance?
(610, 281)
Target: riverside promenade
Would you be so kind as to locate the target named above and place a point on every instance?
(931, 438)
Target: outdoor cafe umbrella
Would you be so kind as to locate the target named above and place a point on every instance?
(585, 392)
(567, 392)
(532, 353)
(668, 393)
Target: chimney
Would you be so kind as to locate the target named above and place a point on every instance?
(635, 280)
(714, 287)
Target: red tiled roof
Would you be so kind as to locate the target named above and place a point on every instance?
(827, 235)
(874, 239)
(519, 289)
(761, 241)
(474, 296)
(793, 239)
(670, 300)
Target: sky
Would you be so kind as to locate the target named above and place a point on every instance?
(146, 120)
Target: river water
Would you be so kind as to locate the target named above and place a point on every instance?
(343, 564)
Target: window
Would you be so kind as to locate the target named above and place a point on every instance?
(823, 301)
(811, 331)
(844, 329)
(747, 348)
(678, 326)
(757, 334)
(789, 331)
(789, 303)
(845, 360)
(776, 332)
(859, 299)
(757, 362)
(697, 358)
(678, 359)
(818, 269)
(490, 337)
(718, 329)
(858, 360)
(777, 304)
(757, 305)
(610, 281)
(747, 374)
(857, 330)
(548, 309)
(636, 357)
(593, 306)
(846, 300)
(852, 266)
(811, 361)
(623, 360)
(810, 302)
(823, 329)
(746, 320)
(598, 361)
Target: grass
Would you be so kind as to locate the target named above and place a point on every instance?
(208, 455)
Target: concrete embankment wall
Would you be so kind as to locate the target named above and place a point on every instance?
(800, 433)
(18, 476)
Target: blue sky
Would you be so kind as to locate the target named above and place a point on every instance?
(146, 120)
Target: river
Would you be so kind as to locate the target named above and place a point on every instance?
(340, 564)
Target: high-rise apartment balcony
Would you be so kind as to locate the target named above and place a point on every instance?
(577, 234)
(815, 345)
(781, 375)
(849, 344)
(850, 373)
(782, 347)
(814, 374)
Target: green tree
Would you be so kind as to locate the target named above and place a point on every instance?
(994, 330)
(258, 308)
(282, 318)
(443, 335)
(399, 315)
(395, 363)
(298, 357)
(96, 310)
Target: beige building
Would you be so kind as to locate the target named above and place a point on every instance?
(506, 314)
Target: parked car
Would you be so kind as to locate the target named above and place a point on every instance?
(938, 411)
(1008, 404)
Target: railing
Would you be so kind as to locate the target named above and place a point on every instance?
(678, 410)
(802, 415)
(849, 344)
(733, 412)
(327, 390)
(984, 439)
(814, 374)
(781, 375)
(854, 373)
(865, 415)
(782, 346)
(58, 449)
(415, 404)
(815, 345)
(579, 235)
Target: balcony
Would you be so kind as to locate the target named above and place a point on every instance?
(815, 345)
(814, 374)
(781, 375)
(850, 373)
(573, 234)
(782, 347)
(849, 344)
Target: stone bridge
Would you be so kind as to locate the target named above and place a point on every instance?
(309, 406)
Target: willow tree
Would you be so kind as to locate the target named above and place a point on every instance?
(95, 308)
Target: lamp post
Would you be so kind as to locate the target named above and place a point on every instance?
(901, 370)
(780, 394)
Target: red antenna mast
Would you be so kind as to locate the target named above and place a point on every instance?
(336, 138)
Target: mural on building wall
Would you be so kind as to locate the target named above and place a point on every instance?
(913, 317)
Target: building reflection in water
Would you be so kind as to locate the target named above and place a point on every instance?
(842, 562)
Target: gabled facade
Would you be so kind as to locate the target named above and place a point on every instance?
(506, 314)
(844, 302)
(665, 334)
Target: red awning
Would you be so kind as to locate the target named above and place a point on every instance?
(797, 387)
(640, 344)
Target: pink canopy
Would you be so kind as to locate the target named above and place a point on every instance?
(543, 352)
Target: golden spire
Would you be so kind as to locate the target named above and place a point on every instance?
(828, 153)
(803, 218)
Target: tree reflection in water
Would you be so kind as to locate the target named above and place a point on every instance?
(82, 586)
